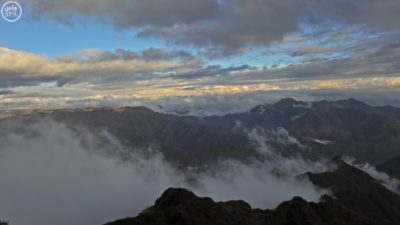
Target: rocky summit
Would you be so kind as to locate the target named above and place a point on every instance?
(356, 199)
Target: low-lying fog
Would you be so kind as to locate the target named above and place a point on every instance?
(50, 174)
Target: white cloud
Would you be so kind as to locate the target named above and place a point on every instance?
(18, 62)
(51, 174)
(390, 183)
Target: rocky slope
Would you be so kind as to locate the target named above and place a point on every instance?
(391, 167)
(348, 127)
(358, 200)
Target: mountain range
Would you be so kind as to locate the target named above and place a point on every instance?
(319, 129)
(329, 128)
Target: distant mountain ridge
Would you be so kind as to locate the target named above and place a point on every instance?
(325, 128)
(348, 127)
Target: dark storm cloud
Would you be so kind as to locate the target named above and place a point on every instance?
(226, 27)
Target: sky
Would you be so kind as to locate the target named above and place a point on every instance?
(74, 53)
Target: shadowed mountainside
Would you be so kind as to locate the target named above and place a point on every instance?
(348, 127)
(358, 200)
(391, 167)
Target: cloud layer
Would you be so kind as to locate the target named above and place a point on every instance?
(351, 67)
(240, 24)
(212, 48)
(51, 174)
(90, 62)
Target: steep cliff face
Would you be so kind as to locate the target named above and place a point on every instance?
(358, 199)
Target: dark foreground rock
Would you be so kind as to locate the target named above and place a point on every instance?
(359, 200)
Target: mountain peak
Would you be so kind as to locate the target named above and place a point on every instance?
(137, 108)
(290, 102)
(351, 103)
(287, 101)
(359, 200)
(174, 196)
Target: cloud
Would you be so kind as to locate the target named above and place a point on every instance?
(150, 54)
(390, 183)
(6, 92)
(12, 80)
(200, 100)
(209, 71)
(379, 14)
(355, 66)
(221, 28)
(236, 26)
(13, 61)
(93, 62)
(347, 58)
(52, 174)
(18, 68)
(379, 60)
(127, 13)
(160, 54)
